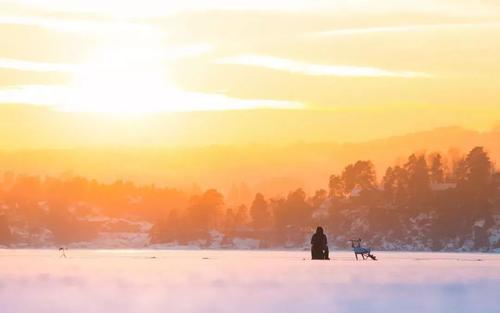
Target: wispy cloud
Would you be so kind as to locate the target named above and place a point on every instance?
(23, 65)
(152, 8)
(406, 28)
(74, 99)
(316, 69)
(124, 60)
(76, 26)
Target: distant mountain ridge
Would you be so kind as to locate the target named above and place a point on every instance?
(278, 168)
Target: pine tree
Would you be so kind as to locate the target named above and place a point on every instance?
(259, 212)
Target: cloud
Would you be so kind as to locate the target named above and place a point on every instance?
(316, 69)
(123, 60)
(406, 28)
(23, 65)
(132, 101)
(76, 26)
(155, 8)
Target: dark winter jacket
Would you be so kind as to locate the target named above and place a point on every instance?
(318, 240)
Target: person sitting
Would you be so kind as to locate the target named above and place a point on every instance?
(319, 245)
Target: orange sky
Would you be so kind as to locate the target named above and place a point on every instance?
(156, 73)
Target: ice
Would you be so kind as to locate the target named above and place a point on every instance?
(150, 281)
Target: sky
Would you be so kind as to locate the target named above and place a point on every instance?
(244, 71)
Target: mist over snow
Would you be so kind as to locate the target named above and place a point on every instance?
(129, 281)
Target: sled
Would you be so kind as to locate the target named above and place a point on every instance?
(364, 252)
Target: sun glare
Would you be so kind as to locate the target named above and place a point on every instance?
(131, 80)
(122, 80)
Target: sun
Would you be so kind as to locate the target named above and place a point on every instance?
(132, 77)
(123, 80)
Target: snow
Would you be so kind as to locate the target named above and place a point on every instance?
(443, 186)
(127, 281)
(479, 223)
(121, 240)
(246, 243)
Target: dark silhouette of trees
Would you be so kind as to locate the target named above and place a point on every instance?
(320, 196)
(394, 183)
(476, 185)
(478, 171)
(229, 220)
(459, 172)
(336, 187)
(205, 210)
(170, 229)
(360, 174)
(389, 183)
(5, 233)
(259, 212)
(437, 172)
(242, 216)
(418, 179)
(66, 227)
(467, 209)
(295, 211)
(236, 218)
(422, 199)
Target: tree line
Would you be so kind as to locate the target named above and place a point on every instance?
(429, 201)
(425, 202)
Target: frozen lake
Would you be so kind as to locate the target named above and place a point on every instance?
(150, 281)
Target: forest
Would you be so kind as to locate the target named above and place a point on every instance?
(426, 202)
